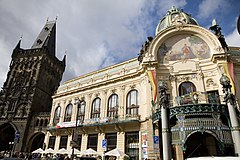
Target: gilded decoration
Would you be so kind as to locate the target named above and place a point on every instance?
(182, 47)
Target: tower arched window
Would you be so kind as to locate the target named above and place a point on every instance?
(81, 111)
(37, 122)
(41, 123)
(57, 113)
(132, 102)
(113, 106)
(96, 108)
(45, 122)
(186, 88)
(68, 113)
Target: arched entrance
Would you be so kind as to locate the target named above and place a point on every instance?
(36, 141)
(201, 144)
(7, 134)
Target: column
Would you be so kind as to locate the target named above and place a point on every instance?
(164, 104)
(229, 98)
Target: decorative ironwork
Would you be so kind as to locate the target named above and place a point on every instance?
(192, 108)
(228, 96)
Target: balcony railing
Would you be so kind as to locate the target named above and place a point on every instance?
(97, 121)
(191, 109)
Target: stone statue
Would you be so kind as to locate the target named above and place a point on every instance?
(5, 111)
(20, 111)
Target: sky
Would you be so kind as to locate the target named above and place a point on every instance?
(94, 34)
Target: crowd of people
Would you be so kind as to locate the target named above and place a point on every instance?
(30, 156)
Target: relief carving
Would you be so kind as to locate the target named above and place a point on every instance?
(210, 83)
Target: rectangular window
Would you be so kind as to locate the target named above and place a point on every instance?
(111, 141)
(213, 97)
(79, 142)
(51, 142)
(63, 142)
(132, 145)
(92, 141)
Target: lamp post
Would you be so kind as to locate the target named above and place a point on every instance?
(75, 135)
(164, 105)
(229, 98)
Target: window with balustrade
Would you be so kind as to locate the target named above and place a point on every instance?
(113, 106)
(68, 113)
(81, 111)
(57, 114)
(96, 108)
(132, 102)
(132, 145)
(186, 93)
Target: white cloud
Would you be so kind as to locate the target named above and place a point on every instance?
(93, 32)
(210, 7)
(233, 39)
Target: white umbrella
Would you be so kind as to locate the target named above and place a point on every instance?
(39, 150)
(89, 151)
(116, 152)
(62, 151)
(49, 150)
(76, 151)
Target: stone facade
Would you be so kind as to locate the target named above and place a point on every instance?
(118, 103)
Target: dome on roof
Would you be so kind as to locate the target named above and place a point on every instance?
(174, 17)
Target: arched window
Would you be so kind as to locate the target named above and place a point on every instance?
(186, 88)
(68, 113)
(81, 111)
(41, 123)
(113, 106)
(96, 108)
(132, 102)
(57, 115)
(45, 122)
(37, 122)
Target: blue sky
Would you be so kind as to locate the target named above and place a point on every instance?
(98, 33)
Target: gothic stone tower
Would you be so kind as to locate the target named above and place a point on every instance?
(33, 77)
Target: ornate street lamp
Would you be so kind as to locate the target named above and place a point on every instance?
(229, 98)
(75, 135)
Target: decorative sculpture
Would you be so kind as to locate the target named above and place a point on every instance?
(228, 96)
(163, 98)
(217, 31)
(144, 49)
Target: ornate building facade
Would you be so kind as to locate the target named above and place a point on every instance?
(120, 104)
(26, 97)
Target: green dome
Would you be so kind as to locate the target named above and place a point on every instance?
(174, 17)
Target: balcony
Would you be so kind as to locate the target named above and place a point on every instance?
(193, 103)
(192, 109)
(97, 121)
(203, 113)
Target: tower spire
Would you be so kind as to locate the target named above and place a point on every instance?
(47, 38)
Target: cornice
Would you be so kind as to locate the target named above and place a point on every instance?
(103, 83)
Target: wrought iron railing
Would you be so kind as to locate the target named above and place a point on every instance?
(192, 108)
